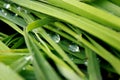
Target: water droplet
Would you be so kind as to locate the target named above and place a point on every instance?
(28, 58)
(19, 8)
(16, 14)
(3, 12)
(7, 6)
(72, 59)
(25, 11)
(86, 63)
(23, 68)
(56, 38)
(74, 48)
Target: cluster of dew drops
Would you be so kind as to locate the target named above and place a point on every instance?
(55, 37)
(8, 7)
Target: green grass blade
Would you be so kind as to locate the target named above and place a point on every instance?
(58, 49)
(93, 65)
(15, 27)
(6, 73)
(89, 12)
(78, 21)
(40, 61)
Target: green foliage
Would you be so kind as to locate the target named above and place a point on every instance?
(59, 39)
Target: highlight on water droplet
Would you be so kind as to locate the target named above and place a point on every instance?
(7, 6)
(74, 48)
(86, 63)
(28, 58)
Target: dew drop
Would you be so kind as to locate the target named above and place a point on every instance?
(28, 58)
(72, 59)
(74, 48)
(19, 8)
(86, 63)
(3, 12)
(7, 6)
(56, 38)
(16, 14)
(23, 68)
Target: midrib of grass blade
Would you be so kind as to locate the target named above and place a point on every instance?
(93, 65)
(42, 32)
(59, 62)
(88, 11)
(6, 73)
(77, 21)
(41, 63)
(109, 6)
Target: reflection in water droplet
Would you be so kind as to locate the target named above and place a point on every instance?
(16, 14)
(86, 63)
(23, 68)
(28, 58)
(5, 14)
(7, 6)
(74, 48)
(56, 38)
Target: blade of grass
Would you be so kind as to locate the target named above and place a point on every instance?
(59, 50)
(88, 11)
(62, 66)
(93, 65)
(41, 63)
(7, 73)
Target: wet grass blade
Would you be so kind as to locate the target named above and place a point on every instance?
(92, 65)
(40, 63)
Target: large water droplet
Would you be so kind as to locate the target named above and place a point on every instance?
(55, 37)
(7, 6)
(74, 48)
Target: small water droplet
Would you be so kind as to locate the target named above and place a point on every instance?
(7, 6)
(19, 8)
(16, 14)
(23, 68)
(5, 14)
(28, 58)
(86, 63)
(74, 48)
(56, 38)
(72, 59)
(25, 11)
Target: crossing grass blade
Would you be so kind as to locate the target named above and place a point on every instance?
(42, 67)
(78, 21)
(6, 73)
